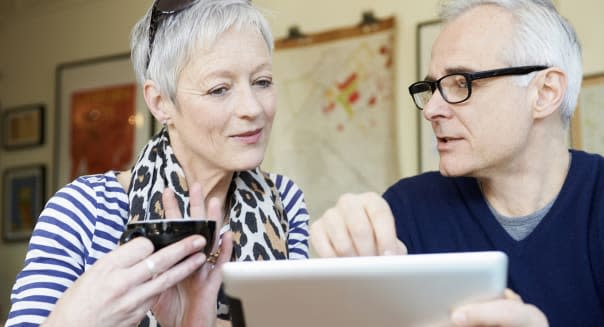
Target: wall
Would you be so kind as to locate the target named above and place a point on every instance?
(32, 44)
(35, 41)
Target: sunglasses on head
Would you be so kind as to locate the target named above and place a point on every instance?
(162, 9)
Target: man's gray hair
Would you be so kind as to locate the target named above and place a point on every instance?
(179, 35)
(541, 37)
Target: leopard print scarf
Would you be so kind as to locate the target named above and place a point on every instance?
(255, 211)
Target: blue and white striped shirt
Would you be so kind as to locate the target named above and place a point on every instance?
(84, 221)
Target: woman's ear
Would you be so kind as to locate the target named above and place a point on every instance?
(156, 102)
(551, 87)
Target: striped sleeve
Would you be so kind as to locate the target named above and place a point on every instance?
(64, 242)
(295, 210)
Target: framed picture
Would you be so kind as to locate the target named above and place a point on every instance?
(23, 127)
(24, 189)
(586, 131)
(427, 32)
(102, 120)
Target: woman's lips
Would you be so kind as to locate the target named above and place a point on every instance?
(250, 137)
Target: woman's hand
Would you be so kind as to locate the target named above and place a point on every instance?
(192, 302)
(510, 311)
(121, 287)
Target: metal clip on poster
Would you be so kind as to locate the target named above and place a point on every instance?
(294, 33)
(368, 21)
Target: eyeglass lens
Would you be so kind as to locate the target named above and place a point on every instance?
(453, 88)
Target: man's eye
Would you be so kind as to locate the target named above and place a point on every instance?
(461, 83)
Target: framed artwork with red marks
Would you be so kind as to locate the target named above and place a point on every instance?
(102, 118)
(102, 121)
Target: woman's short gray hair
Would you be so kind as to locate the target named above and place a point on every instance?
(179, 35)
(542, 37)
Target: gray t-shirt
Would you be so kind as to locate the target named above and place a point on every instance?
(521, 227)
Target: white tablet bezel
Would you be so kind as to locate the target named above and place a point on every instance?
(412, 290)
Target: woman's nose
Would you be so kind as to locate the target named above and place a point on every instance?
(249, 105)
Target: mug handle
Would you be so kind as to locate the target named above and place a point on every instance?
(128, 235)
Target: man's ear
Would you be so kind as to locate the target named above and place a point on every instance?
(156, 102)
(551, 85)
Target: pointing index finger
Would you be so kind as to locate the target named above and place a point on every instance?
(171, 210)
(384, 229)
(215, 214)
(196, 201)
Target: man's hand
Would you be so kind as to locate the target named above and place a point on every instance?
(359, 225)
(510, 311)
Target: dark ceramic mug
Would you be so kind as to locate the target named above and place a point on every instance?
(163, 232)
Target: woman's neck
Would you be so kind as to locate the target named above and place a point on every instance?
(215, 181)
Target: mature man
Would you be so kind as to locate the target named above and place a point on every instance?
(503, 82)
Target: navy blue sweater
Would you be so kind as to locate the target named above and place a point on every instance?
(559, 267)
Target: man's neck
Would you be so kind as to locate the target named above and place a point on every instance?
(529, 187)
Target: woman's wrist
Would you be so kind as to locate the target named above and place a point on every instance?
(196, 316)
(223, 323)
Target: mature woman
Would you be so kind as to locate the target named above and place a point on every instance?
(205, 70)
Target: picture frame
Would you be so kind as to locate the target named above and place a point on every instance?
(23, 126)
(102, 121)
(426, 34)
(586, 133)
(24, 190)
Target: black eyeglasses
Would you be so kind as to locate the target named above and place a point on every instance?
(457, 87)
(161, 9)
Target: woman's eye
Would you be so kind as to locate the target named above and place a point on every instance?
(265, 82)
(218, 91)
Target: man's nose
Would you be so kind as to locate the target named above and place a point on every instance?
(436, 107)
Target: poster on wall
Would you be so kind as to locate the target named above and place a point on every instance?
(587, 133)
(427, 32)
(334, 131)
(102, 120)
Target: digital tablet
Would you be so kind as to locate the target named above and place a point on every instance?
(411, 290)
